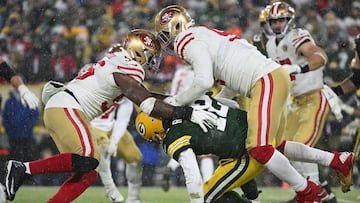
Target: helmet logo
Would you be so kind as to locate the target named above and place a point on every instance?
(148, 41)
(141, 129)
(166, 17)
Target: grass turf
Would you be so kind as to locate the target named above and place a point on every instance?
(95, 194)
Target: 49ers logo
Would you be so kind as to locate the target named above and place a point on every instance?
(166, 17)
(148, 41)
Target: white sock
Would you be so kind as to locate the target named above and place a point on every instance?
(104, 167)
(206, 167)
(280, 166)
(133, 175)
(310, 170)
(300, 152)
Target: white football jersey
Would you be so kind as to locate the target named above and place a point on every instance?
(285, 53)
(95, 88)
(219, 56)
(182, 80)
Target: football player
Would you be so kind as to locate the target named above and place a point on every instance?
(180, 82)
(69, 110)
(351, 84)
(27, 97)
(114, 140)
(183, 140)
(295, 49)
(259, 40)
(218, 56)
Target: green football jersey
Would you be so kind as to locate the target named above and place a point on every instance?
(226, 140)
(260, 42)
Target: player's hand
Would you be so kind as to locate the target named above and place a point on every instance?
(112, 149)
(292, 69)
(335, 102)
(27, 97)
(204, 119)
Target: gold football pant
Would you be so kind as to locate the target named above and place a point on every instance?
(71, 131)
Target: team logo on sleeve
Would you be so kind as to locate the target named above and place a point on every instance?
(166, 17)
(141, 129)
(148, 41)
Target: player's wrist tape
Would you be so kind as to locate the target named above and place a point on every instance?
(338, 90)
(6, 71)
(305, 68)
(355, 77)
(183, 112)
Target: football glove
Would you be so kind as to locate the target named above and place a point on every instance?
(171, 100)
(357, 44)
(27, 97)
(335, 102)
(204, 119)
(292, 69)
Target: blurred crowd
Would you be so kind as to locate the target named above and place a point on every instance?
(53, 39)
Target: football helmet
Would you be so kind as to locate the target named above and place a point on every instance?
(169, 22)
(143, 47)
(149, 128)
(262, 20)
(281, 10)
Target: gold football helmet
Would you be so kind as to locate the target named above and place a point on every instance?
(279, 10)
(149, 128)
(143, 47)
(262, 20)
(169, 22)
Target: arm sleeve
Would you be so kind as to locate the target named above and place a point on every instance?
(193, 179)
(202, 65)
(123, 114)
(6, 71)
(226, 93)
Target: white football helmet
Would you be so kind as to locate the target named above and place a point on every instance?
(281, 10)
(149, 128)
(169, 22)
(143, 47)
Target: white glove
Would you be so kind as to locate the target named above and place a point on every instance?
(112, 149)
(171, 100)
(204, 119)
(292, 69)
(27, 97)
(352, 127)
(335, 102)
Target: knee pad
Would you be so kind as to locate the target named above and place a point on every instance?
(262, 154)
(83, 164)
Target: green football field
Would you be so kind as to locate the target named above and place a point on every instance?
(95, 194)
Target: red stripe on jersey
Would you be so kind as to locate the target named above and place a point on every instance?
(135, 76)
(140, 70)
(182, 43)
(297, 40)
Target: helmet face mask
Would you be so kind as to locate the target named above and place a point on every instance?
(169, 22)
(143, 47)
(280, 11)
(150, 128)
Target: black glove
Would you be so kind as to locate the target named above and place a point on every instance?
(357, 44)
